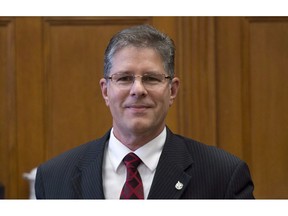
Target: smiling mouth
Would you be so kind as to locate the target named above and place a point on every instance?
(138, 108)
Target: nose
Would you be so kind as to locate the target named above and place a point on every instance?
(137, 88)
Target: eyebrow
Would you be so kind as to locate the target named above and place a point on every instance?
(130, 72)
(124, 71)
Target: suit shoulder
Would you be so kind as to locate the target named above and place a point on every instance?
(89, 150)
(70, 157)
(210, 154)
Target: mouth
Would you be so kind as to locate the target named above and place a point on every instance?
(138, 108)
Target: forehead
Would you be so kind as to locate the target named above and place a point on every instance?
(131, 56)
(136, 51)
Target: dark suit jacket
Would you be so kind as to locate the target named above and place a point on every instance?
(206, 172)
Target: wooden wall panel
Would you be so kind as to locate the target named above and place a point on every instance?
(29, 80)
(8, 145)
(229, 69)
(196, 69)
(268, 94)
(252, 97)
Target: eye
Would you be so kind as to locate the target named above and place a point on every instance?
(152, 78)
(124, 78)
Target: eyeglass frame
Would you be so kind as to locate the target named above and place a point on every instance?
(164, 77)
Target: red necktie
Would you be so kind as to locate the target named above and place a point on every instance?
(133, 187)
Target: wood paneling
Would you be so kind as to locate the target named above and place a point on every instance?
(8, 147)
(29, 78)
(252, 98)
(268, 94)
(196, 69)
(229, 73)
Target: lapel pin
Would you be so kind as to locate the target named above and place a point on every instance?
(179, 185)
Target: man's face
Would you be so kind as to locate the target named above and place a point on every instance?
(138, 110)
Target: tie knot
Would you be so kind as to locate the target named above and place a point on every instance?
(131, 160)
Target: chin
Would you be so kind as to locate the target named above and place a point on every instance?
(139, 127)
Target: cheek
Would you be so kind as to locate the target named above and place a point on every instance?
(164, 101)
(114, 98)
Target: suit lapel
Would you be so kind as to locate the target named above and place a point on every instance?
(172, 173)
(170, 180)
(87, 181)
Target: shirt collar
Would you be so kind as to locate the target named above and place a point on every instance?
(148, 153)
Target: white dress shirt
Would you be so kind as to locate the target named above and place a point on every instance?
(114, 170)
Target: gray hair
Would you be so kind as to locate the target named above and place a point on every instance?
(143, 36)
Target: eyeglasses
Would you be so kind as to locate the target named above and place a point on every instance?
(149, 80)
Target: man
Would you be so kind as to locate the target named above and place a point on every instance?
(139, 87)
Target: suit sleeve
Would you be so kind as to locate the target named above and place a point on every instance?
(39, 188)
(240, 185)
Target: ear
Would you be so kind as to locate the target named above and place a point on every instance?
(174, 86)
(103, 85)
